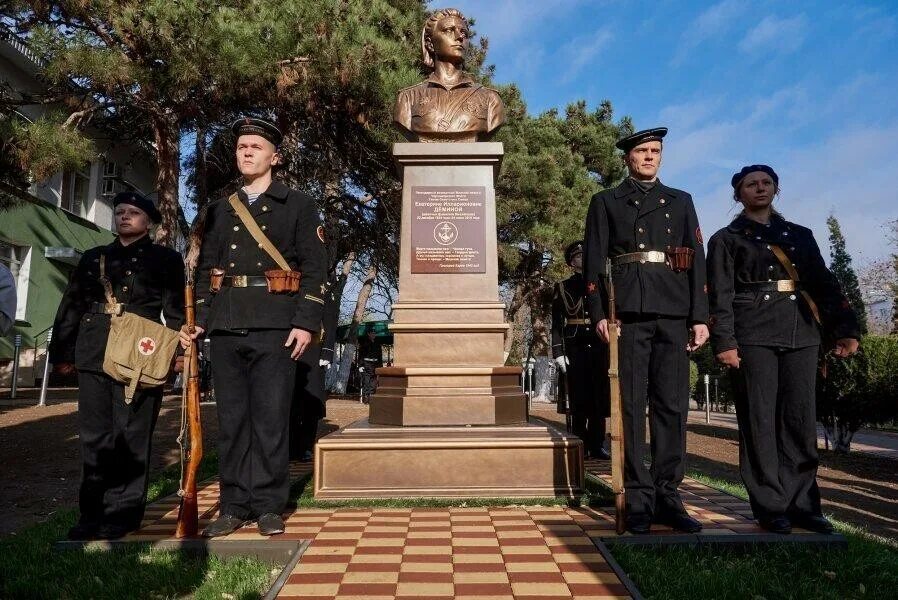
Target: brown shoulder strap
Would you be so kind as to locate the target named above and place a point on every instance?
(257, 234)
(793, 275)
(107, 285)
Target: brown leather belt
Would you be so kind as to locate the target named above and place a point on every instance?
(577, 322)
(776, 285)
(242, 281)
(650, 256)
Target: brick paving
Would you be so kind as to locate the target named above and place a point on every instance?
(513, 552)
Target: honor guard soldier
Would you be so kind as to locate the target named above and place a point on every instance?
(650, 233)
(310, 394)
(258, 290)
(581, 357)
(771, 296)
(115, 434)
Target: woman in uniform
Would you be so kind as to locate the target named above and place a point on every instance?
(148, 280)
(772, 302)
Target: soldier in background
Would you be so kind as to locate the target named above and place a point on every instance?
(651, 234)
(310, 394)
(581, 357)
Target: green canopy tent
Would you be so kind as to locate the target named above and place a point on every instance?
(381, 330)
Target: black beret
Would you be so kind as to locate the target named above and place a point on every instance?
(738, 177)
(572, 249)
(252, 126)
(656, 134)
(144, 204)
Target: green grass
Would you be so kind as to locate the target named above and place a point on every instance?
(866, 569)
(30, 566)
(302, 494)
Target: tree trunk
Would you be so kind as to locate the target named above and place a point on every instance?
(166, 135)
(514, 315)
(350, 346)
(201, 187)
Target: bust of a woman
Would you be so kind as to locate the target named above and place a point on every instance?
(449, 106)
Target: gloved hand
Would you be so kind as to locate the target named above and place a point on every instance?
(562, 363)
(323, 362)
(361, 369)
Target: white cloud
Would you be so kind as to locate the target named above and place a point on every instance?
(773, 34)
(714, 21)
(583, 51)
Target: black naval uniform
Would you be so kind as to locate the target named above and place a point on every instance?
(778, 341)
(115, 437)
(574, 336)
(252, 371)
(310, 394)
(656, 307)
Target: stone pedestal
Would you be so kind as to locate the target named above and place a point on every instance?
(449, 403)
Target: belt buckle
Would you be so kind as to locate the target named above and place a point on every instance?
(238, 281)
(785, 285)
(113, 309)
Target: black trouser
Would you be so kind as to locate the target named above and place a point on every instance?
(775, 392)
(308, 402)
(115, 449)
(588, 389)
(254, 378)
(654, 366)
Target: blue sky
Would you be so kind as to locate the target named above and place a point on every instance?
(807, 87)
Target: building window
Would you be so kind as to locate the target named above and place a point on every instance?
(112, 179)
(75, 191)
(18, 260)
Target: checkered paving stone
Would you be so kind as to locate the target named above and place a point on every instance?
(532, 553)
(719, 512)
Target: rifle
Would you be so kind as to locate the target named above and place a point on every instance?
(190, 422)
(617, 426)
(568, 417)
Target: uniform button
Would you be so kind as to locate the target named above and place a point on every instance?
(770, 268)
(766, 296)
(233, 246)
(667, 215)
(258, 264)
(264, 227)
(791, 296)
(662, 200)
(134, 259)
(236, 227)
(636, 202)
(785, 233)
(232, 265)
(124, 288)
(668, 230)
(642, 245)
(127, 272)
(641, 230)
(260, 245)
(264, 208)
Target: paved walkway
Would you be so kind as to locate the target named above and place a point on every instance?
(878, 443)
(501, 552)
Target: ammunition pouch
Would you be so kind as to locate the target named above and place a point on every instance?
(680, 258)
(282, 282)
(216, 279)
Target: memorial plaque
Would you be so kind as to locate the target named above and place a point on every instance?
(448, 229)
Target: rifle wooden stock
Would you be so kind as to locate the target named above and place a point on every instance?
(188, 512)
(617, 424)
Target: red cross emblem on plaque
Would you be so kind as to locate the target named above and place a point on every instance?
(146, 346)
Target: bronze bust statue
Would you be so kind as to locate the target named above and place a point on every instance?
(449, 106)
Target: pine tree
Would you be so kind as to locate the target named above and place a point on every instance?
(840, 265)
(157, 69)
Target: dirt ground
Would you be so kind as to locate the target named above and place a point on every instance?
(41, 466)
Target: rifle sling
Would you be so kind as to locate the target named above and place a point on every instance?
(250, 223)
